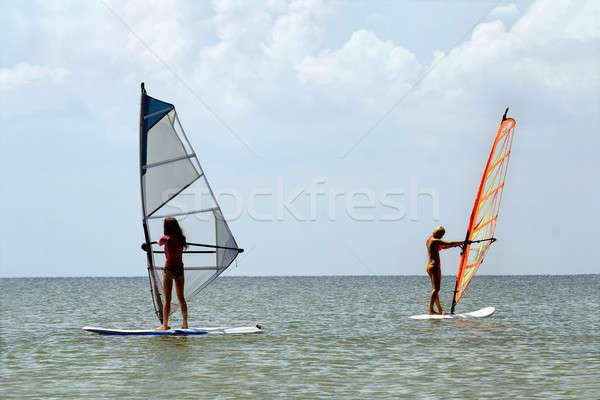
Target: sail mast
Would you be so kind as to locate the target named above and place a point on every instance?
(154, 289)
(462, 261)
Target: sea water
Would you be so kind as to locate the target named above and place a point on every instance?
(324, 338)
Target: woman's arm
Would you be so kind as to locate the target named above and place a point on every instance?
(448, 245)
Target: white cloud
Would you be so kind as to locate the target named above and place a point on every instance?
(244, 22)
(364, 58)
(113, 30)
(262, 46)
(161, 24)
(561, 75)
(508, 10)
(585, 24)
(537, 47)
(547, 21)
(487, 46)
(297, 33)
(23, 74)
(533, 51)
(258, 41)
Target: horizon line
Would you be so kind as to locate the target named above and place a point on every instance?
(287, 276)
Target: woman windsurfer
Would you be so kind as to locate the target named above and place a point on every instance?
(174, 241)
(434, 266)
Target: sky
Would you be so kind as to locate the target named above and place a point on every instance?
(336, 134)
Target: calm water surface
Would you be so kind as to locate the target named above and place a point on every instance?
(325, 337)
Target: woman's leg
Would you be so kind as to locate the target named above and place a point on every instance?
(179, 284)
(167, 289)
(437, 285)
(431, 272)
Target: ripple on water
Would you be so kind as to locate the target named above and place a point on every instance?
(325, 337)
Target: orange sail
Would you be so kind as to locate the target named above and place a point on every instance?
(485, 210)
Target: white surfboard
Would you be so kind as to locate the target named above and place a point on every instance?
(181, 332)
(484, 312)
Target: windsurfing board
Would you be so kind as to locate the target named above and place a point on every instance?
(484, 312)
(180, 332)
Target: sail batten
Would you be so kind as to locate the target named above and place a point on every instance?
(163, 111)
(482, 222)
(157, 164)
(172, 181)
(182, 213)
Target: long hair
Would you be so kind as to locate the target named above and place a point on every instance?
(171, 227)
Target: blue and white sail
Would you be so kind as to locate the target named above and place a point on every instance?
(173, 184)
